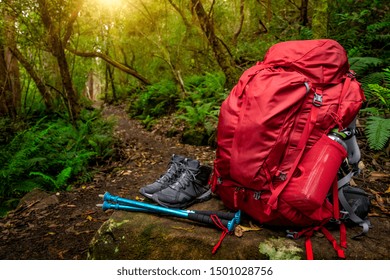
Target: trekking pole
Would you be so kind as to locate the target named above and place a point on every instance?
(133, 205)
(222, 215)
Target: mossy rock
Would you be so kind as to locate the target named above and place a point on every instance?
(143, 236)
(129, 235)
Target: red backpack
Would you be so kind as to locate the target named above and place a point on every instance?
(274, 159)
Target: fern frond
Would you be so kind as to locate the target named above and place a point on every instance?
(362, 64)
(381, 93)
(26, 186)
(377, 132)
(371, 111)
(63, 177)
(386, 73)
(45, 177)
(373, 78)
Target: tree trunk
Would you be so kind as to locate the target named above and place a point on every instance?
(10, 95)
(57, 44)
(43, 90)
(239, 28)
(304, 6)
(111, 79)
(72, 97)
(221, 53)
(5, 86)
(91, 86)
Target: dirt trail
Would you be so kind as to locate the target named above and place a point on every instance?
(61, 225)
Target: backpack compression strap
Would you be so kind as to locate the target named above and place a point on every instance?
(365, 224)
(308, 232)
(272, 202)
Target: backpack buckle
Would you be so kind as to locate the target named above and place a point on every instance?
(344, 215)
(317, 100)
(292, 234)
(256, 195)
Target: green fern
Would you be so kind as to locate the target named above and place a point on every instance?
(377, 132)
(33, 158)
(381, 94)
(45, 177)
(362, 65)
(63, 177)
(26, 186)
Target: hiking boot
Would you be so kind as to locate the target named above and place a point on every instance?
(190, 187)
(173, 172)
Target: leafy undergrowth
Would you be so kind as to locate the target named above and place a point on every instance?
(53, 154)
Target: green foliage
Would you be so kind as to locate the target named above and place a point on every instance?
(60, 179)
(364, 65)
(52, 153)
(378, 132)
(156, 100)
(280, 249)
(379, 94)
(200, 109)
(361, 26)
(377, 91)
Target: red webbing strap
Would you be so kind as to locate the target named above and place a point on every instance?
(309, 249)
(308, 233)
(312, 119)
(329, 236)
(343, 235)
(225, 231)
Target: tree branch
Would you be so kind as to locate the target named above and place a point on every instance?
(112, 62)
(71, 21)
(239, 28)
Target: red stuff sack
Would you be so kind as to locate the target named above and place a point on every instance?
(274, 160)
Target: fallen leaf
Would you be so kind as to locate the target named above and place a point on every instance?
(388, 190)
(190, 229)
(82, 232)
(250, 228)
(61, 254)
(239, 230)
(89, 218)
(377, 176)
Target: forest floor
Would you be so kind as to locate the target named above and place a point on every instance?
(61, 225)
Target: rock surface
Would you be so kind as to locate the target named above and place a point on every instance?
(144, 236)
